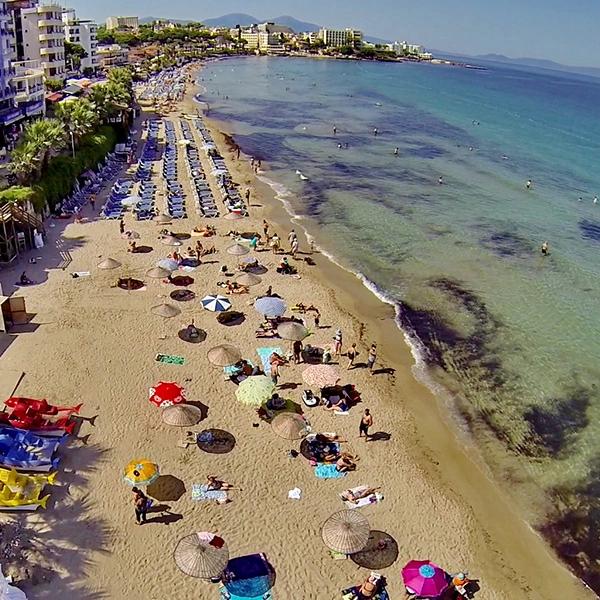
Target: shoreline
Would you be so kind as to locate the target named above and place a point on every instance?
(439, 449)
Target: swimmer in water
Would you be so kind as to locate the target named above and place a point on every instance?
(580, 199)
(545, 249)
(595, 200)
(396, 151)
(375, 131)
(339, 146)
(334, 130)
(528, 184)
(440, 180)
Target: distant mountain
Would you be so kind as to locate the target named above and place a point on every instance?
(296, 25)
(541, 64)
(231, 20)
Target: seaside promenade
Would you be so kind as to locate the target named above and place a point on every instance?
(95, 343)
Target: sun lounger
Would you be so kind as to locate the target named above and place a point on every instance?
(325, 471)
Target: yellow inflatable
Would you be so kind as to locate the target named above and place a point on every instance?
(22, 492)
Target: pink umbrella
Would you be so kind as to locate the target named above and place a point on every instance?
(424, 578)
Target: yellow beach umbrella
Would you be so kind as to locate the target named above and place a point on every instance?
(141, 471)
(255, 390)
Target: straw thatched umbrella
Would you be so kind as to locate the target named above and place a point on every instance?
(158, 273)
(290, 426)
(248, 279)
(202, 555)
(165, 310)
(293, 331)
(109, 263)
(346, 531)
(224, 355)
(171, 240)
(233, 216)
(238, 250)
(321, 375)
(162, 219)
(182, 415)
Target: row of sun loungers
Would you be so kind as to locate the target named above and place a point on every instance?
(175, 195)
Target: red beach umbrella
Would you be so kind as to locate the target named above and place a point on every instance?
(166, 394)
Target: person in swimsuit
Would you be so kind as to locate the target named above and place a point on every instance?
(372, 357)
(351, 354)
(365, 422)
(545, 249)
(140, 502)
(217, 484)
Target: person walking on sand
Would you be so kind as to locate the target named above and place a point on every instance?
(93, 202)
(295, 246)
(140, 503)
(266, 228)
(366, 421)
(248, 195)
(237, 149)
(297, 347)
(372, 357)
(337, 343)
(275, 244)
(351, 354)
(121, 226)
(317, 319)
(292, 236)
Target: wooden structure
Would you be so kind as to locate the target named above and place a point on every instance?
(12, 312)
(17, 231)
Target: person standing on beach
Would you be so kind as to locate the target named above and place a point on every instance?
(351, 354)
(366, 421)
(266, 228)
(292, 236)
(93, 202)
(121, 226)
(237, 149)
(295, 246)
(337, 343)
(248, 195)
(140, 503)
(275, 243)
(372, 357)
(297, 347)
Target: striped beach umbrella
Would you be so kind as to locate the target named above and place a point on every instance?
(216, 303)
(270, 306)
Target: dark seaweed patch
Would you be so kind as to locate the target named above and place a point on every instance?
(556, 428)
(507, 244)
(590, 229)
(425, 151)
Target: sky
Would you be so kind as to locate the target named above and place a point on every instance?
(564, 31)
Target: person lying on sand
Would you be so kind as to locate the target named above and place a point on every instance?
(346, 462)
(217, 484)
(236, 288)
(354, 497)
(206, 231)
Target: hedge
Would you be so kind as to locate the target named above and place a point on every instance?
(62, 172)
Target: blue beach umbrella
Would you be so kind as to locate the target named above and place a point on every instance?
(270, 307)
(216, 303)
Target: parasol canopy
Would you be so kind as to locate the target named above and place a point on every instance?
(109, 263)
(162, 219)
(171, 240)
(216, 303)
(293, 331)
(270, 306)
(255, 390)
(202, 555)
(166, 393)
(290, 426)
(321, 375)
(425, 579)
(130, 201)
(140, 471)
(169, 264)
(248, 279)
(157, 273)
(346, 531)
(238, 250)
(224, 355)
(181, 415)
(165, 310)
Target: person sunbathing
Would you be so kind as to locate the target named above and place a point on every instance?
(370, 586)
(236, 288)
(354, 497)
(339, 405)
(214, 484)
(346, 462)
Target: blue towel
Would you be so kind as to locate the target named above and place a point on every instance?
(225, 595)
(264, 354)
(233, 370)
(323, 471)
(200, 492)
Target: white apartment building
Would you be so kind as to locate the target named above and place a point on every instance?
(28, 82)
(112, 55)
(122, 23)
(336, 38)
(83, 33)
(43, 37)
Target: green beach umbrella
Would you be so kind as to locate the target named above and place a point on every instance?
(255, 390)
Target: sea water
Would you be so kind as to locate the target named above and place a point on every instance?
(516, 335)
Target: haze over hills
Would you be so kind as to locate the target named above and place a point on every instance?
(540, 64)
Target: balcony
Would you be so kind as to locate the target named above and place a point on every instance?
(49, 23)
(47, 37)
(53, 64)
(50, 51)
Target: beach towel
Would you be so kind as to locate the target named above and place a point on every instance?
(170, 359)
(264, 355)
(200, 493)
(225, 595)
(323, 471)
(78, 274)
(367, 501)
(233, 370)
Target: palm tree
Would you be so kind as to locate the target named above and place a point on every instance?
(79, 117)
(24, 161)
(46, 136)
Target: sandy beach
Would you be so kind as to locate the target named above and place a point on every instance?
(94, 343)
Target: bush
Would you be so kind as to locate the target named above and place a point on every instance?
(59, 178)
(17, 194)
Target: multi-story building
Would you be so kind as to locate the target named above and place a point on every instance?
(83, 33)
(40, 36)
(8, 113)
(336, 38)
(112, 55)
(132, 23)
(28, 82)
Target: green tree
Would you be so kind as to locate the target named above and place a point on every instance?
(46, 136)
(79, 117)
(74, 53)
(24, 161)
(104, 36)
(53, 85)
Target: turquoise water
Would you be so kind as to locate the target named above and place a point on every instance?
(515, 333)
